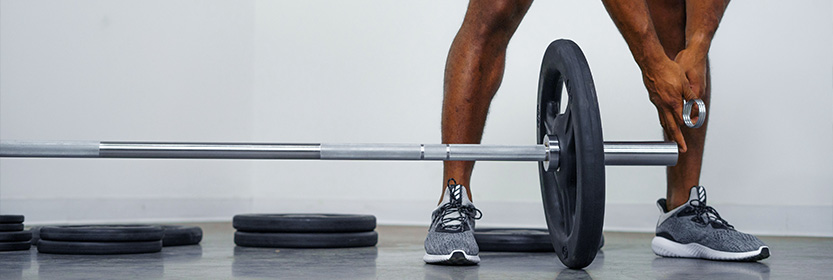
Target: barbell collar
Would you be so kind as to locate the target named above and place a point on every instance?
(701, 113)
(553, 153)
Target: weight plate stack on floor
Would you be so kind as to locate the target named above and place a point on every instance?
(305, 230)
(12, 235)
(181, 235)
(100, 239)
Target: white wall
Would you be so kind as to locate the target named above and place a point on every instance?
(144, 70)
(371, 71)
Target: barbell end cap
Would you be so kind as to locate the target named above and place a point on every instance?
(53, 149)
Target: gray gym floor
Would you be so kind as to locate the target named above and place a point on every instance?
(399, 256)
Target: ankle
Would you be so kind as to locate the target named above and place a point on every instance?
(450, 183)
(672, 202)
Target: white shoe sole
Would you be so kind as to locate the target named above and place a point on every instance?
(457, 257)
(667, 248)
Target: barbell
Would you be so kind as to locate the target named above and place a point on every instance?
(616, 153)
(570, 152)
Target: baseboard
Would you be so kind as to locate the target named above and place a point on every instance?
(755, 219)
(121, 210)
(789, 220)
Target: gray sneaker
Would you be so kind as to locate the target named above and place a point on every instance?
(450, 239)
(695, 230)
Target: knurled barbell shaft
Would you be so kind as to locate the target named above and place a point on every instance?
(616, 153)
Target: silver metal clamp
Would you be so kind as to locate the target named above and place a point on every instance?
(701, 116)
(553, 150)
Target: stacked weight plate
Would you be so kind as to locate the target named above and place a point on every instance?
(113, 239)
(305, 230)
(515, 240)
(12, 235)
(181, 235)
(174, 235)
(100, 239)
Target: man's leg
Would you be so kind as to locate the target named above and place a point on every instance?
(669, 19)
(687, 226)
(472, 76)
(473, 73)
(686, 173)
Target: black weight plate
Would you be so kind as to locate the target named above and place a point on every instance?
(102, 233)
(98, 248)
(513, 239)
(306, 240)
(11, 219)
(6, 236)
(573, 195)
(11, 227)
(15, 246)
(318, 223)
(181, 235)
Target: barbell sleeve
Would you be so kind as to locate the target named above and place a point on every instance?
(616, 153)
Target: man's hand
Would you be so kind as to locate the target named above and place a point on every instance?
(667, 81)
(694, 66)
(693, 62)
(667, 84)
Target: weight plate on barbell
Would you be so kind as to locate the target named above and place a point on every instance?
(573, 193)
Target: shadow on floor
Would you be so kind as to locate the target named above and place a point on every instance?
(349, 263)
(677, 268)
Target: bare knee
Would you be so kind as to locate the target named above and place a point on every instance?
(489, 18)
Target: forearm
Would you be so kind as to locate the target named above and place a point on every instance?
(634, 22)
(702, 19)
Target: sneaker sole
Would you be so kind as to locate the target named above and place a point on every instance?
(457, 257)
(667, 248)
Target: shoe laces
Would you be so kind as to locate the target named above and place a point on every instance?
(706, 214)
(454, 214)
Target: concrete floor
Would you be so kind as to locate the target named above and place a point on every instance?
(399, 256)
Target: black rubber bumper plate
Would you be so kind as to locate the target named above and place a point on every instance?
(573, 193)
(306, 240)
(11, 219)
(102, 233)
(98, 248)
(513, 240)
(15, 236)
(318, 223)
(181, 235)
(15, 246)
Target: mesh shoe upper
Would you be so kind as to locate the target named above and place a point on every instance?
(452, 224)
(695, 222)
